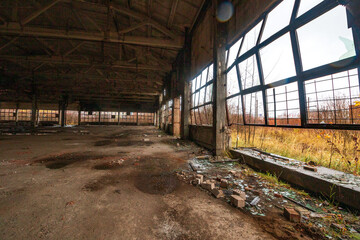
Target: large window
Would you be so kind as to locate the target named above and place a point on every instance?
(7, 114)
(48, 115)
(201, 97)
(297, 65)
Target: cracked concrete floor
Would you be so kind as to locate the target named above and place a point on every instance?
(105, 182)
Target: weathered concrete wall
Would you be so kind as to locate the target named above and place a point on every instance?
(202, 135)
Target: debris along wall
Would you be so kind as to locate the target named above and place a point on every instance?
(245, 12)
(202, 135)
(202, 43)
(332, 184)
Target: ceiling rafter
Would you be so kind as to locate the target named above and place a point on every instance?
(38, 12)
(15, 29)
(60, 60)
(172, 13)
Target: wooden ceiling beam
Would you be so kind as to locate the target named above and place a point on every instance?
(15, 29)
(59, 60)
(38, 12)
(172, 13)
(145, 18)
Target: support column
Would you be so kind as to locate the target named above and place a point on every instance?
(219, 89)
(185, 78)
(160, 112)
(176, 116)
(33, 111)
(118, 118)
(79, 116)
(64, 104)
(137, 118)
(99, 117)
(16, 114)
(63, 115)
(155, 119)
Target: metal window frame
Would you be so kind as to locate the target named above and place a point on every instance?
(301, 75)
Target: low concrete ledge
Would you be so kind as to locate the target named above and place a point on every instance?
(343, 187)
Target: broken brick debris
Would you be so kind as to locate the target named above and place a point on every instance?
(217, 193)
(239, 193)
(208, 185)
(310, 168)
(224, 183)
(237, 201)
(291, 214)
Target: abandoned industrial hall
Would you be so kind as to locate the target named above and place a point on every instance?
(179, 119)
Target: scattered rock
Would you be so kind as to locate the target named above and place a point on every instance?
(146, 140)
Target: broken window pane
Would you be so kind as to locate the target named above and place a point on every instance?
(285, 106)
(198, 81)
(234, 50)
(232, 84)
(306, 5)
(326, 39)
(211, 73)
(250, 38)
(277, 60)
(202, 96)
(235, 110)
(278, 18)
(204, 76)
(209, 93)
(331, 99)
(254, 111)
(249, 73)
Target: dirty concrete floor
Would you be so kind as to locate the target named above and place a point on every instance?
(105, 182)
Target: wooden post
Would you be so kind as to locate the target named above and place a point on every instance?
(219, 89)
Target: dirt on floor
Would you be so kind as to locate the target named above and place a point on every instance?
(111, 184)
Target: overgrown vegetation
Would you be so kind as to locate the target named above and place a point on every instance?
(336, 149)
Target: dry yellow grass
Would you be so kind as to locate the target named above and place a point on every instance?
(337, 149)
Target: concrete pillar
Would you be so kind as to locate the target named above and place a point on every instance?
(160, 112)
(63, 114)
(79, 117)
(34, 111)
(219, 89)
(118, 118)
(17, 114)
(185, 113)
(176, 116)
(155, 118)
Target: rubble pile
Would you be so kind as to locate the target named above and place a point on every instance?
(259, 194)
